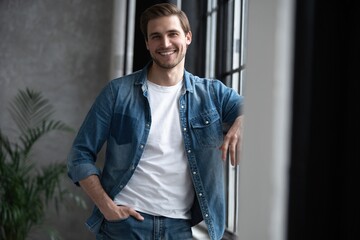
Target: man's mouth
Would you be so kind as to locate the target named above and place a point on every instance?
(166, 53)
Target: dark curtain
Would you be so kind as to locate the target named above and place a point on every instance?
(323, 196)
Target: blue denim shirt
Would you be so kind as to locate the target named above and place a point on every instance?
(120, 116)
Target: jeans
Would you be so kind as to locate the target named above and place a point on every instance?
(151, 228)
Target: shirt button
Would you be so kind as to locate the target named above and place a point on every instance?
(206, 122)
(189, 151)
(206, 215)
(194, 173)
(141, 146)
(147, 125)
(184, 129)
(200, 194)
(182, 106)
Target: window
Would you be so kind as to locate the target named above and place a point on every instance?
(225, 60)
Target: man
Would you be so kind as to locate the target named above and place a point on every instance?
(164, 132)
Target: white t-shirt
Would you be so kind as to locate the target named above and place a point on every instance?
(161, 184)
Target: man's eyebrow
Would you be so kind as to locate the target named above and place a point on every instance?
(154, 33)
(173, 31)
(169, 31)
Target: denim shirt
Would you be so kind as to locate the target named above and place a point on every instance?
(121, 117)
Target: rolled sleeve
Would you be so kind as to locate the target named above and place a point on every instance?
(79, 169)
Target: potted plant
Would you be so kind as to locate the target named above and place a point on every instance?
(25, 188)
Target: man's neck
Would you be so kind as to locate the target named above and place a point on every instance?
(165, 77)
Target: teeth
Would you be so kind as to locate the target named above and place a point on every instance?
(166, 53)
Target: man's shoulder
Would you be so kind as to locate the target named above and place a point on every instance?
(199, 79)
(202, 82)
(132, 77)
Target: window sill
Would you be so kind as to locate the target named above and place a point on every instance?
(200, 233)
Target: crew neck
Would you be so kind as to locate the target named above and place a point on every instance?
(163, 88)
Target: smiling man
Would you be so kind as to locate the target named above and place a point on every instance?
(167, 43)
(164, 129)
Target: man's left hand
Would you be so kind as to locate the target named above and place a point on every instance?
(232, 141)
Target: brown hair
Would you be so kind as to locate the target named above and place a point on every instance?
(163, 10)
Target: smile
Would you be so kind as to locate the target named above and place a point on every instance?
(166, 53)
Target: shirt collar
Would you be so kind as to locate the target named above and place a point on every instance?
(143, 76)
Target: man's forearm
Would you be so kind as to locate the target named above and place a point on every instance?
(93, 188)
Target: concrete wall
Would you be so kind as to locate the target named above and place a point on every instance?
(61, 48)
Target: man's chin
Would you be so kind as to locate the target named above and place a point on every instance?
(165, 65)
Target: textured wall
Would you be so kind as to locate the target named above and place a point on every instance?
(61, 48)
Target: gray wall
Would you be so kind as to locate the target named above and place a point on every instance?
(265, 154)
(61, 48)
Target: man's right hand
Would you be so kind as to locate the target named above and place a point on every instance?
(112, 212)
(121, 212)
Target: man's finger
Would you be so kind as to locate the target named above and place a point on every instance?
(135, 214)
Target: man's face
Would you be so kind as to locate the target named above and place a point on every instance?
(167, 42)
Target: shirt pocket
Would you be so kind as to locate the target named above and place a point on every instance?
(207, 129)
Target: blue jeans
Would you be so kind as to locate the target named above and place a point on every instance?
(151, 228)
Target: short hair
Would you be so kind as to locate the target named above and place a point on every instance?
(163, 10)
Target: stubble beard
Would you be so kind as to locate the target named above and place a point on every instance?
(168, 65)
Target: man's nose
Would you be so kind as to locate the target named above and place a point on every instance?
(166, 41)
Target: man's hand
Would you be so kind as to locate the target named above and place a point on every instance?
(92, 187)
(121, 212)
(232, 141)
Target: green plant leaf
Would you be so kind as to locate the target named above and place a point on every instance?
(29, 109)
(31, 135)
(25, 188)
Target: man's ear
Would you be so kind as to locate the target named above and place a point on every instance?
(146, 44)
(188, 37)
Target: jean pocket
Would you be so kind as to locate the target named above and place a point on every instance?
(118, 220)
(126, 228)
